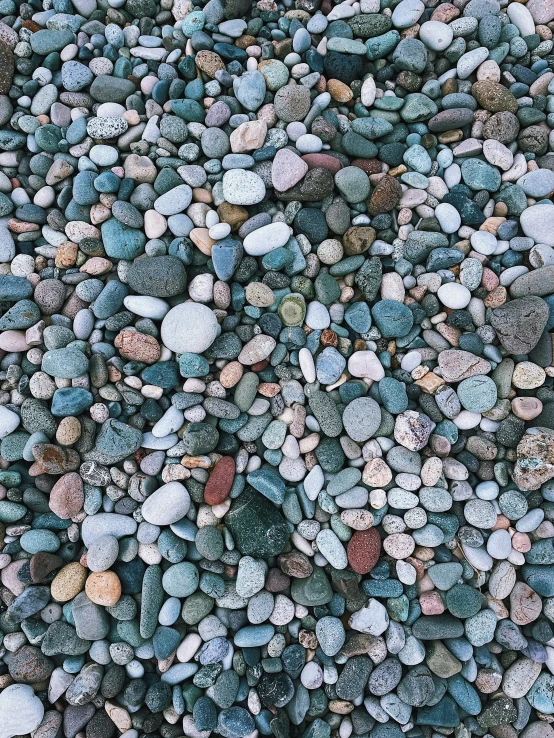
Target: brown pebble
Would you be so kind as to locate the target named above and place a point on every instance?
(137, 346)
(209, 62)
(7, 66)
(42, 564)
(277, 581)
(52, 459)
(385, 196)
(66, 254)
(295, 564)
(339, 91)
(369, 166)
(220, 481)
(324, 161)
(358, 239)
(235, 215)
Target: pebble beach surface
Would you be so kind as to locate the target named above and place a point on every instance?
(276, 370)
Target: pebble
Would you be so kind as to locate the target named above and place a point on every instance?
(21, 710)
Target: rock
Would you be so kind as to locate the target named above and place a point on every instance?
(166, 505)
(257, 527)
(519, 323)
(21, 709)
(287, 170)
(535, 464)
(189, 327)
(537, 222)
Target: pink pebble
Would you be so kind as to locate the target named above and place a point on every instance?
(489, 280)
(13, 341)
(521, 542)
(147, 84)
(254, 51)
(431, 603)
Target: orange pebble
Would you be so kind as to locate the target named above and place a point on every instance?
(103, 588)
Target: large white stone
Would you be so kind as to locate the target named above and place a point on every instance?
(266, 239)
(166, 505)
(522, 18)
(436, 35)
(189, 328)
(146, 306)
(21, 711)
(372, 619)
(242, 187)
(368, 92)
(448, 217)
(454, 296)
(537, 183)
(366, 364)
(407, 13)
(537, 222)
(8, 421)
(469, 61)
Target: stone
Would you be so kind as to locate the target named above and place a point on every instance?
(166, 505)
(189, 327)
(21, 709)
(257, 527)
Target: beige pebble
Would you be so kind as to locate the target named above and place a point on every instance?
(399, 545)
(137, 346)
(42, 386)
(96, 266)
(231, 374)
(201, 239)
(528, 375)
(259, 294)
(431, 471)
(376, 473)
(248, 136)
(68, 582)
(13, 341)
(357, 519)
(69, 431)
(525, 604)
(119, 716)
(77, 230)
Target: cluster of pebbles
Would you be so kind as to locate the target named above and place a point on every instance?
(276, 371)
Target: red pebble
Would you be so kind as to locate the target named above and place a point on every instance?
(369, 166)
(323, 160)
(363, 550)
(219, 484)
